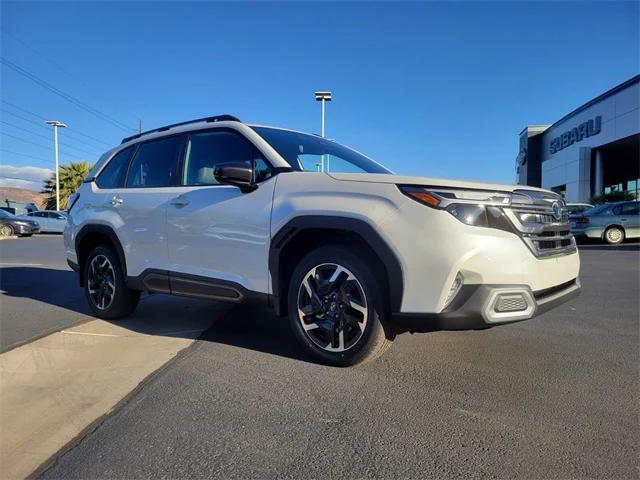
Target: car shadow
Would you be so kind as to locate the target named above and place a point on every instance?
(247, 326)
(47, 285)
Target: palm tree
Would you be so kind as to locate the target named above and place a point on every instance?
(71, 177)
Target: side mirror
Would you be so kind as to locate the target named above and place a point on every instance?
(237, 174)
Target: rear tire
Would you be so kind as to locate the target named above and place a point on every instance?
(614, 235)
(337, 307)
(6, 230)
(104, 285)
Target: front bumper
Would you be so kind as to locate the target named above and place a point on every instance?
(26, 229)
(480, 306)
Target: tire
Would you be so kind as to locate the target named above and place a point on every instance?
(614, 235)
(6, 230)
(345, 322)
(104, 285)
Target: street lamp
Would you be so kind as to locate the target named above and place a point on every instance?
(55, 124)
(323, 97)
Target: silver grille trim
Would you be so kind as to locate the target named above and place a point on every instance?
(545, 232)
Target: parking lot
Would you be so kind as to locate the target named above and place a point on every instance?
(553, 397)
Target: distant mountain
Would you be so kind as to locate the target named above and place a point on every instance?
(21, 195)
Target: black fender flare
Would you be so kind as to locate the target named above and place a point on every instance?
(103, 230)
(352, 225)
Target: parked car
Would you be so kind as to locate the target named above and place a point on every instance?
(577, 208)
(611, 222)
(50, 221)
(12, 225)
(219, 209)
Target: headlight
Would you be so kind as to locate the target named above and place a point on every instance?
(479, 208)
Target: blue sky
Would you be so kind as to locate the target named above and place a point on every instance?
(434, 89)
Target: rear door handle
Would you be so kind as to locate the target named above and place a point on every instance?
(623, 219)
(116, 200)
(180, 201)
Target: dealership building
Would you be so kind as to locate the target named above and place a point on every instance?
(592, 150)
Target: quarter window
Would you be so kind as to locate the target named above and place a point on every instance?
(207, 150)
(112, 176)
(154, 164)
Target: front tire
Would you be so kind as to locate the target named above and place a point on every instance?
(104, 285)
(6, 230)
(614, 235)
(337, 307)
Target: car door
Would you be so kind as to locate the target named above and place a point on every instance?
(56, 222)
(136, 201)
(218, 235)
(42, 219)
(630, 219)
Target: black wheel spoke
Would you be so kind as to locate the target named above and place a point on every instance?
(101, 282)
(332, 307)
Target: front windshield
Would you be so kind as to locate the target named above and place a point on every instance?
(306, 152)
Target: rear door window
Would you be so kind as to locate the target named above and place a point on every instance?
(155, 163)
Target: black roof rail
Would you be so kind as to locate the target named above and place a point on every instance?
(217, 118)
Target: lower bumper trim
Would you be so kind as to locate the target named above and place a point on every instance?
(469, 310)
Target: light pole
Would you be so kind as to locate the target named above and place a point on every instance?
(55, 124)
(323, 97)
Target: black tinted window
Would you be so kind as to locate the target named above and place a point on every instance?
(630, 209)
(207, 150)
(154, 164)
(112, 176)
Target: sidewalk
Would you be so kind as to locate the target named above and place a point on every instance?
(53, 388)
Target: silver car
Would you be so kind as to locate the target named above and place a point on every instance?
(49, 220)
(611, 222)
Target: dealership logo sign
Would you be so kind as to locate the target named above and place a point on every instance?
(582, 131)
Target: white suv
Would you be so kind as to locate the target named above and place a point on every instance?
(219, 209)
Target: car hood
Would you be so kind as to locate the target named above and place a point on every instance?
(425, 181)
(25, 219)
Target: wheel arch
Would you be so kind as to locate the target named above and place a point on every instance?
(91, 235)
(299, 235)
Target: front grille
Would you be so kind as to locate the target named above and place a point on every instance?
(544, 231)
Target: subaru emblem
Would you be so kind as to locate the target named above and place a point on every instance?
(557, 210)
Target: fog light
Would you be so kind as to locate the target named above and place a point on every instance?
(511, 303)
(455, 288)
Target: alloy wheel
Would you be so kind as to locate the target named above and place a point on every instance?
(614, 235)
(6, 231)
(101, 282)
(332, 307)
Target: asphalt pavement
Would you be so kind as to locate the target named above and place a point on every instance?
(40, 293)
(553, 397)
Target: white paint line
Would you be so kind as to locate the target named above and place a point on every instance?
(21, 264)
(154, 334)
(91, 334)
